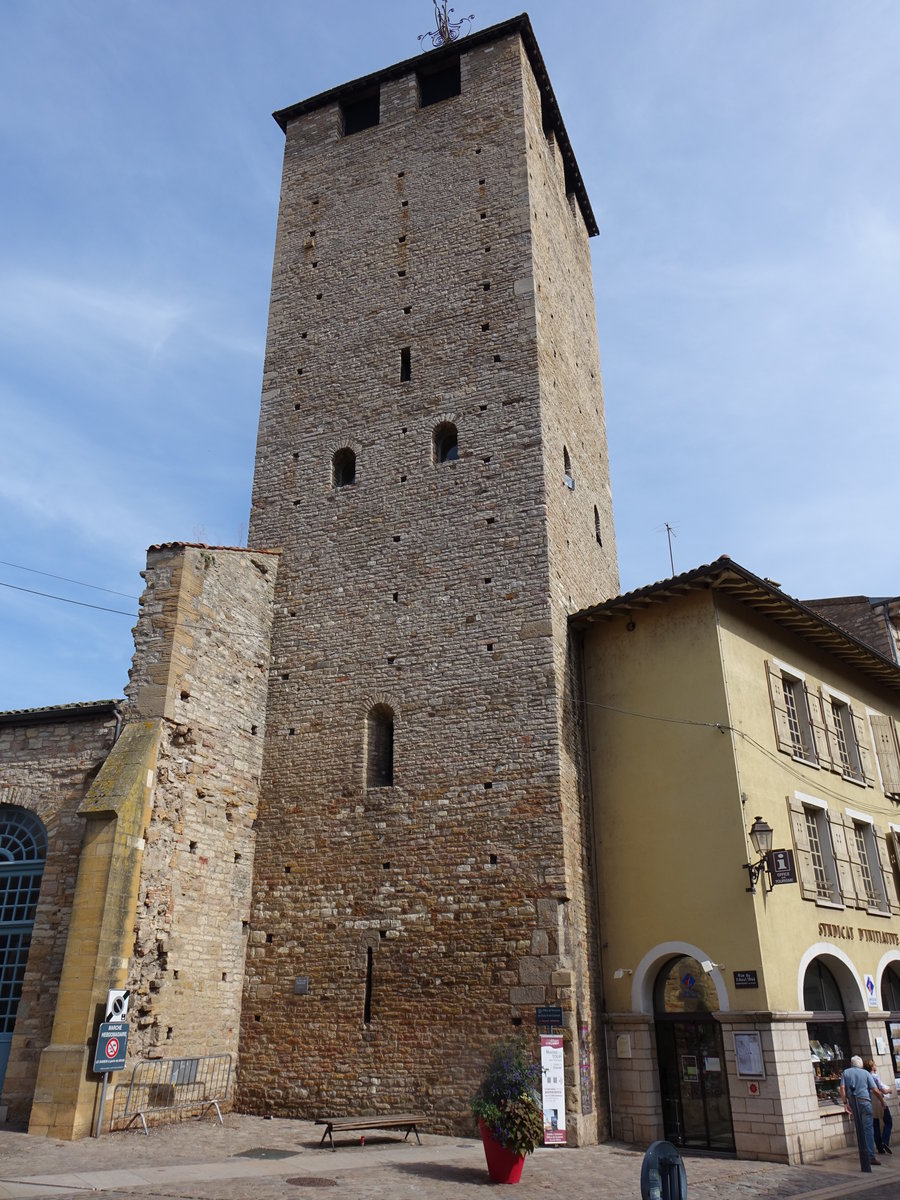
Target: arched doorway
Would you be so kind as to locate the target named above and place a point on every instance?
(23, 849)
(890, 1002)
(691, 1054)
(829, 1037)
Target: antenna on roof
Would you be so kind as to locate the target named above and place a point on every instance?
(447, 31)
(670, 533)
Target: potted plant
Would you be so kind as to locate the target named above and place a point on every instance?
(508, 1110)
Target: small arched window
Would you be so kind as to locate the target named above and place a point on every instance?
(343, 468)
(597, 533)
(567, 469)
(445, 443)
(380, 747)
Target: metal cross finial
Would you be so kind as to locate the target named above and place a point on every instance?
(447, 31)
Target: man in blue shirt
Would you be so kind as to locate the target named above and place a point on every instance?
(856, 1086)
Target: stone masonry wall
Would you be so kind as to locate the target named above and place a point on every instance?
(582, 567)
(427, 917)
(201, 663)
(46, 767)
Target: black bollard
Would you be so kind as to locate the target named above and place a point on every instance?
(662, 1174)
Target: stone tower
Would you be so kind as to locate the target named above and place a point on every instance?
(432, 464)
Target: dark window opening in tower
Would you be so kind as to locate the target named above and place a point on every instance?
(367, 1003)
(363, 112)
(567, 470)
(343, 468)
(435, 86)
(597, 526)
(380, 747)
(445, 443)
(405, 365)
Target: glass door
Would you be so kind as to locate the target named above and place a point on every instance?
(690, 1050)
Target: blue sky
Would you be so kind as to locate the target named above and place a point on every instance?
(741, 158)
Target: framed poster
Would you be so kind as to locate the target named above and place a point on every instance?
(689, 1071)
(748, 1052)
(553, 1090)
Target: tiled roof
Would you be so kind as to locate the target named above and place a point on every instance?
(59, 712)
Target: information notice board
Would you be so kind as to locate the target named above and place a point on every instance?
(553, 1097)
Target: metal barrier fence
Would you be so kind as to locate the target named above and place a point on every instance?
(173, 1084)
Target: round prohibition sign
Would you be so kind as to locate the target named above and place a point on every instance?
(112, 1047)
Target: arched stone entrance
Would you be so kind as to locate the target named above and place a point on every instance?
(23, 849)
(691, 1055)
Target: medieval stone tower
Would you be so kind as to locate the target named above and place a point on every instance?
(432, 464)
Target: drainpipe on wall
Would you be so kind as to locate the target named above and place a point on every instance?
(118, 728)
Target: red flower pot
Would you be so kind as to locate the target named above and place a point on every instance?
(503, 1166)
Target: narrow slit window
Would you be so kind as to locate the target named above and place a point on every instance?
(597, 533)
(367, 1002)
(445, 443)
(443, 84)
(567, 470)
(405, 365)
(362, 112)
(380, 747)
(343, 468)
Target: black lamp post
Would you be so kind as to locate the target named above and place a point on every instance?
(761, 837)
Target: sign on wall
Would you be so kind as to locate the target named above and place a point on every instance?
(553, 1092)
(781, 868)
(748, 1052)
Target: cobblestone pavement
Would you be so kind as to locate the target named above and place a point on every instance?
(201, 1160)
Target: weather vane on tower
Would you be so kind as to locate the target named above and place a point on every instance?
(447, 31)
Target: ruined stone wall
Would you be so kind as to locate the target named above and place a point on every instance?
(427, 916)
(46, 766)
(201, 662)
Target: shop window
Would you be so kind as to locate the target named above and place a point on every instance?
(884, 734)
(343, 468)
(890, 1002)
(829, 1040)
(445, 444)
(380, 747)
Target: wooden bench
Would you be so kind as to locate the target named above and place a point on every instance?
(407, 1121)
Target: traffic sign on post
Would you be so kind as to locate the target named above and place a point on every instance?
(112, 1043)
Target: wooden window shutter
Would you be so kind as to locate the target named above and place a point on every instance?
(779, 709)
(862, 744)
(849, 868)
(834, 756)
(885, 843)
(886, 748)
(805, 873)
(816, 708)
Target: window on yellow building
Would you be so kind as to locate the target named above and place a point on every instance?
(890, 1002)
(797, 715)
(884, 733)
(829, 1040)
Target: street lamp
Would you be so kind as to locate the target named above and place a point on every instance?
(761, 837)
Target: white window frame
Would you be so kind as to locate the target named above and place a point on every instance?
(881, 904)
(846, 731)
(826, 847)
(804, 718)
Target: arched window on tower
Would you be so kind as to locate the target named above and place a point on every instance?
(343, 467)
(567, 469)
(445, 444)
(380, 747)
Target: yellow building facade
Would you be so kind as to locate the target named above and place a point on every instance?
(712, 700)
